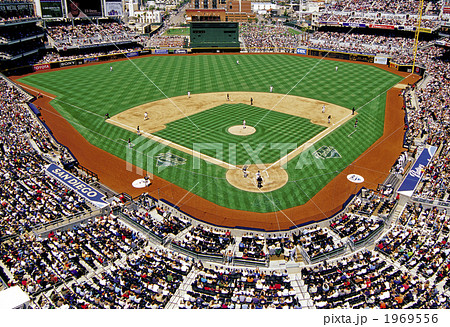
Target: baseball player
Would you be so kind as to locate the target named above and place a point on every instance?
(243, 124)
(138, 131)
(237, 62)
(337, 68)
(271, 89)
(110, 68)
(356, 123)
(353, 110)
(329, 119)
(251, 101)
(244, 170)
(259, 180)
(189, 94)
(228, 97)
(323, 109)
(145, 115)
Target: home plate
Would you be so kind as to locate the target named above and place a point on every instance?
(141, 183)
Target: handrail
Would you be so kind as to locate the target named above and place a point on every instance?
(143, 229)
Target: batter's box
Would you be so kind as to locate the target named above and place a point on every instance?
(326, 152)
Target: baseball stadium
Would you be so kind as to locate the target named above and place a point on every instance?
(233, 155)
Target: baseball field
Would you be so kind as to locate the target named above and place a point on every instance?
(198, 141)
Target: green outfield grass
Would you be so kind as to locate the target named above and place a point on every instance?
(177, 31)
(293, 31)
(273, 128)
(85, 94)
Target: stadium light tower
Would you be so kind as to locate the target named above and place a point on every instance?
(416, 38)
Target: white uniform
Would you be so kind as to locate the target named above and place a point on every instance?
(243, 124)
(110, 68)
(323, 109)
(271, 89)
(145, 116)
(337, 68)
(189, 94)
(237, 62)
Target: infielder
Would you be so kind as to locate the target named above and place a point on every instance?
(145, 115)
(243, 124)
(323, 109)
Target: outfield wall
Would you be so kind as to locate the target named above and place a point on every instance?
(350, 56)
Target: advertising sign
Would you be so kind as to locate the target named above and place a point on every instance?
(83, 8)
(51, 8)
(416, 172)
(76, 184)
(113, 8)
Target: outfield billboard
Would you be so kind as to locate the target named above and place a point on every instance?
(51, 8)
(83, 8)
(113, 8)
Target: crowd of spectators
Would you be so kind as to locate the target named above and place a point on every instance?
(136, 276)
(79, 35)
(317, 241)
(13, 33)
(379, 12)
(240, 289)
(55, 56)
(144, 280)
(203, 239)
(161, 224)
(252, 246)
(430, 7)
(13, 14)
(263, 38)
(356, 227)
(366, 280)
(28, 197)
(281, 245)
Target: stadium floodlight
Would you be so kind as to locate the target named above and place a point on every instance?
(416, 38)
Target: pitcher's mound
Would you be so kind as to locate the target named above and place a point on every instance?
(273, 178)
(240, 130)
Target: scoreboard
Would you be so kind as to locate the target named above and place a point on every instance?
(214, 35)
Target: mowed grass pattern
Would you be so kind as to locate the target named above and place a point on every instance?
(263, 146)
(85, 94)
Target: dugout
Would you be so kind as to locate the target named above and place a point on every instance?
(214, 37)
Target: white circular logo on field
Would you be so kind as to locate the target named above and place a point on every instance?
(141, 183)
(354, 178)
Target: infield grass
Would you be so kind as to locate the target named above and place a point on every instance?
(85, 94)
(273, 129)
